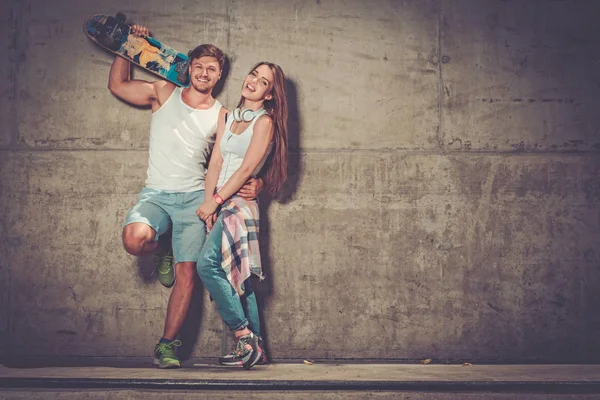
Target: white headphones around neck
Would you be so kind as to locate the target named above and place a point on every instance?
(247, 115)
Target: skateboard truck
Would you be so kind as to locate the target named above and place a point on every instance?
(182, 70)
(110, 33)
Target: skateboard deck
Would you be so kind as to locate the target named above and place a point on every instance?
(113, 34)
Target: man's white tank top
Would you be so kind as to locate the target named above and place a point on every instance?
(233, 148)
(181, 139)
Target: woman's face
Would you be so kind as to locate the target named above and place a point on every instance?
(258, 84)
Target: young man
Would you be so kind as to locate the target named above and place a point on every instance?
(182, 134)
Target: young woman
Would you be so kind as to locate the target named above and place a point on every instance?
(253, 139)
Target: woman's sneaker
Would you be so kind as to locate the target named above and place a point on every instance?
(247, 352)
(233, 359)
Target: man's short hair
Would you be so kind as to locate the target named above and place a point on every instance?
(208, 50)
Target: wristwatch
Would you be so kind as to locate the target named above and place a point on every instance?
(218, 199)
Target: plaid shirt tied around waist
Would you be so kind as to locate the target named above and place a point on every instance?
(239, 246)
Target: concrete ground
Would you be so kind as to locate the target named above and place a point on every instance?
(300, 371)
(318, 380)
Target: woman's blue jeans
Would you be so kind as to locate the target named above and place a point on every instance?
(237, 312)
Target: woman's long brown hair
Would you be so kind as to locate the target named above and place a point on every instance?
(275, 169)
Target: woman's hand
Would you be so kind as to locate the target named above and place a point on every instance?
(211, 221)
(206, 210)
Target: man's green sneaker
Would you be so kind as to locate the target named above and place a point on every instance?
(164, 269)
(165, 355)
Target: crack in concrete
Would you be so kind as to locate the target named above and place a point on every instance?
(440, 128)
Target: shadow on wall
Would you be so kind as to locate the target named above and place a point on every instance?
(294, 154)
(221, 83)
(294, 165)
(190, 331)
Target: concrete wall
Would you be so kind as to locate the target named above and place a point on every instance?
(444, 189)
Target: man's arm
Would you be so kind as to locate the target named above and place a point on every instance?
(136, 92)
(251, 189)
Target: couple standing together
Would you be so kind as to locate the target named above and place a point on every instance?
(186, 191)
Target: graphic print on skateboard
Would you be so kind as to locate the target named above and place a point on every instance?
(115, 35)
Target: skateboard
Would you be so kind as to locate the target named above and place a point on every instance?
(115, 35)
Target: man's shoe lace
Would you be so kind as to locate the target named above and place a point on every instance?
(168, 349)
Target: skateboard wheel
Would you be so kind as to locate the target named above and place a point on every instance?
(109, 42)
(181, 67)
(121, 17)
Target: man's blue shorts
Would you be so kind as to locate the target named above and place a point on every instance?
(160, 209)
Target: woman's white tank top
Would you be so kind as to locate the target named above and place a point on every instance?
(233, 148)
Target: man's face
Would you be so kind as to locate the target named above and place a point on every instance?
(204, 73)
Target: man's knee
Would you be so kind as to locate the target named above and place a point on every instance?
(135, 236)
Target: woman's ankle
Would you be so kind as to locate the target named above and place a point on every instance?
(241, 332)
